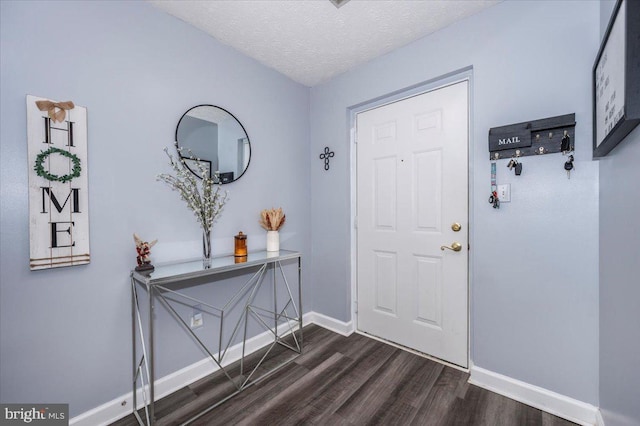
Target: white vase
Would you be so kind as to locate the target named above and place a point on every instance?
(273, 241)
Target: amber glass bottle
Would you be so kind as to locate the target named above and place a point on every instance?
(241, 245)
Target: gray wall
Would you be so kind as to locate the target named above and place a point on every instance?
(534, 282)
(619, 287)
(65, 334)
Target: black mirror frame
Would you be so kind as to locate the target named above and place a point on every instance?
(177, 145)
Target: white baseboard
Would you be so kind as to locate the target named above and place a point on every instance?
(120, 407)
(599, 419)
(337, 326)
(537, 397)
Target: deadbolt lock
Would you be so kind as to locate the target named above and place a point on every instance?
(456, 227)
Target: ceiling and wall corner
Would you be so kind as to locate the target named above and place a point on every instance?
(312, 41)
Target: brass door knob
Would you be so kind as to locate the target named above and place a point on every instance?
(455, 247)
(456, 227)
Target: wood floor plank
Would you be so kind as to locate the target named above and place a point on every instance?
(253, 398)
(467, 411)
(184, 412)
(410, 396)
(551, 420)
(349, 373)
(381, 388)
(339, 388)
(278, 408)
(440, 400)
(346, 381)
(349, 346)
(346, 373)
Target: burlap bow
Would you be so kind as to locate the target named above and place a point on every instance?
(56, 110)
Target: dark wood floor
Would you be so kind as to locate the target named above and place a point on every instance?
(351, 380)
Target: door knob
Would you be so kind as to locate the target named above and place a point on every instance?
(456, 227)
(456, 246)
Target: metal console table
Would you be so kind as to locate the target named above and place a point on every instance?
(163, 284)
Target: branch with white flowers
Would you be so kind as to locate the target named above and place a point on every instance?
(203, 196)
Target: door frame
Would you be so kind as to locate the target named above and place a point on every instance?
(465, 74)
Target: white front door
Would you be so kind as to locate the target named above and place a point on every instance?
(412, 187)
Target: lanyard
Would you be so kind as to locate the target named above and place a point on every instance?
(493, 198)
(494, 186)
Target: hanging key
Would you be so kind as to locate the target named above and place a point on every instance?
(493, 200)
(518, 168)
(565, 146)
(568, 166)
(511, 164)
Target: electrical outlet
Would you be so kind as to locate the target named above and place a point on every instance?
(197, 320)
(504, 193)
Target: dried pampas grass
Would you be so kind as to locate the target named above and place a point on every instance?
(272, 219)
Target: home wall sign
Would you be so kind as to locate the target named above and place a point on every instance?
(616, 79)
(58, 186)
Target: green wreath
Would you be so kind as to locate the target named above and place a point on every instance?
(39, 168)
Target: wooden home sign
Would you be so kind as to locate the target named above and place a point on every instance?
(58, 186)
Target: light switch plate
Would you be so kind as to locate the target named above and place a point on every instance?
(504, 193)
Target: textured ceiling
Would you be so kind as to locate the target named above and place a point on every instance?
(311, 41)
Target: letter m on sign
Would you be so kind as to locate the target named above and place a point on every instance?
(48, 197)
(58, 208)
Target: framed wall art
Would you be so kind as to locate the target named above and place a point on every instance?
(616, 79)
(58, 185)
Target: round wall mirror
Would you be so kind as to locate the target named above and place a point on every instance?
(213, 135)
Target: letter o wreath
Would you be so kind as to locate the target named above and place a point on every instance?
(40, 171)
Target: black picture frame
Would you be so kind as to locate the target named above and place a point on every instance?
(616, 114)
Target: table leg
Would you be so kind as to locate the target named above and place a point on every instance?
(152, 385)
(133, 344)
(300, 299)
(275, 302)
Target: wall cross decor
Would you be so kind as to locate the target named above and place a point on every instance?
(325, 156)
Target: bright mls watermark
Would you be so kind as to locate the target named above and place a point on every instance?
(34, 414)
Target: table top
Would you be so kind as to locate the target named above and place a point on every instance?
(186, 269)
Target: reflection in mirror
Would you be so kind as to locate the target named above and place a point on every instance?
(217, 138)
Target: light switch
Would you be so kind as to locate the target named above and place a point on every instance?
(504, 193)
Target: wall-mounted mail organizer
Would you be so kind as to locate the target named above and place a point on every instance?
(536, 137)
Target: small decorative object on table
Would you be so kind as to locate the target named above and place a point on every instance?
(144, 250)
(272, 220)
(240, 251)
(204, 198)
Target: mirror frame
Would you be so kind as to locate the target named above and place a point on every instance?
(177, 144)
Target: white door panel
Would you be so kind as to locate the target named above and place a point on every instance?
(412, 184)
